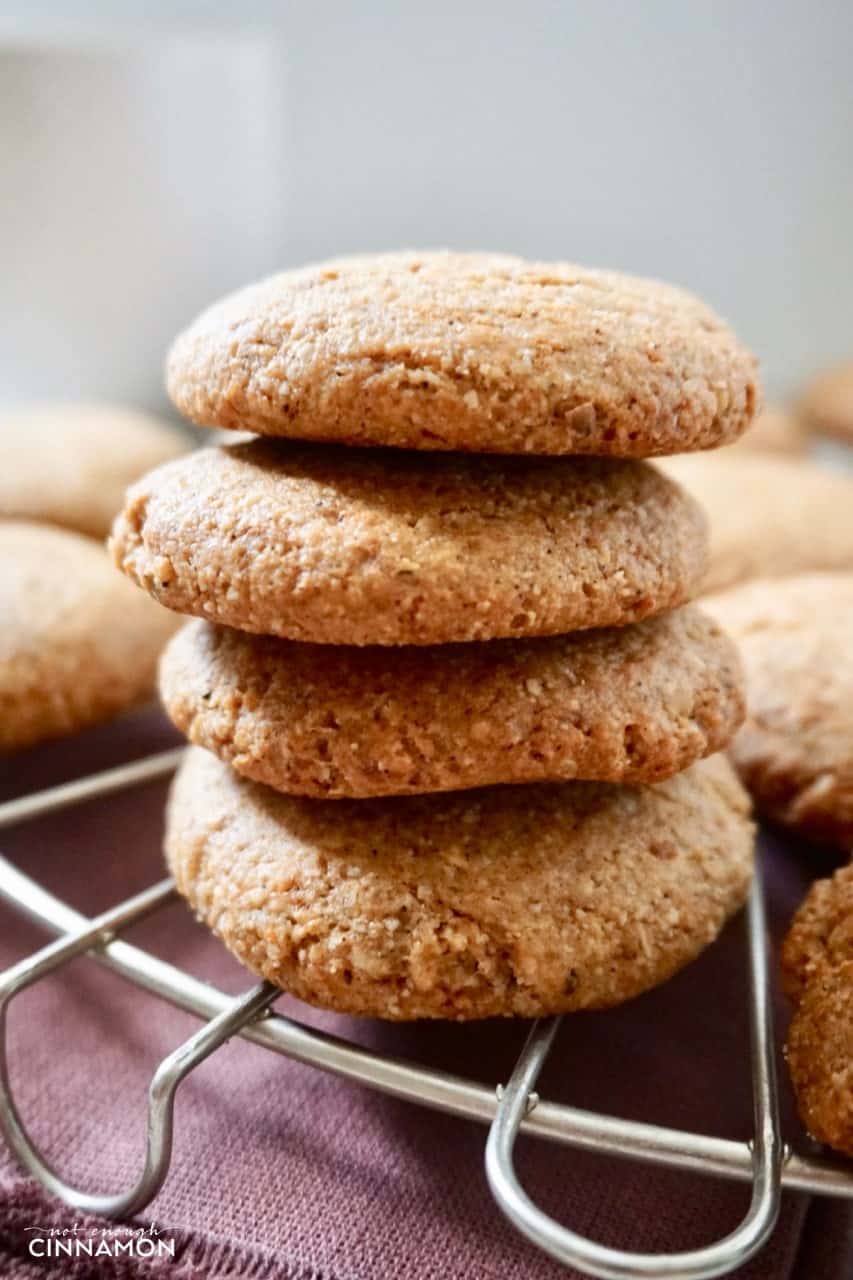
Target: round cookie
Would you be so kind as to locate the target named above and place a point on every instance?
(467, 351)
(819, 1053)
(77, 643)
(70, 464)
(627, 704)
(827, 403)
(769, 517)
(820, 938)
(817, 967)
(508, 901)
(795, 750)
(345, 546)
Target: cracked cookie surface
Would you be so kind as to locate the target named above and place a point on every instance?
(467, 351)
(505, 901)
(627, 704)
(354, 546)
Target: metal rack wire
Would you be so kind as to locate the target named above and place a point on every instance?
(511, 1109)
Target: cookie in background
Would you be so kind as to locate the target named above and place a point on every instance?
(776, 431)
(826, 403)
(794, 752)
(769, 517)
(817, 971)
(69, 464)
(77, 644)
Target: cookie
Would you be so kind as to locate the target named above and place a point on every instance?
(628, 704)
(467, 351)
(775, 431)
(827, 403)
(795, 750)
(70, 464)
(821, 935)
(508, 901)
(769, 517)
(817, 965)
(346, 546)
(77, 643)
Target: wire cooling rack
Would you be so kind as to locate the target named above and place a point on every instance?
(764, 1161)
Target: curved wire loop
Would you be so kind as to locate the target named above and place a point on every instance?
(574, 1250)
(164, 1083)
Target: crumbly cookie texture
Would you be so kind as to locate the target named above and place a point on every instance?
(352, 546)
(627, 704)
(769, 517)
(520, 901)
(817, 966)
(78, 644)
(827, 403)
(70, 464)
(467, 351)
(795, 750)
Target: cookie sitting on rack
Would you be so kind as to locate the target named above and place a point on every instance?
(392, 604)
(817, 965)
(522, 900)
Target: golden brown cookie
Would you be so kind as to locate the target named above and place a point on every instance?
(70, 464)
(775, 431)
(519, 901)
(627, 704)
(821, 933)
(827, 403)
(769, 517)
(795, 750)
(353, 546)
(77, 643)
(817, 965)
(467, 351)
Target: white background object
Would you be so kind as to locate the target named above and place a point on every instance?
(152, 156)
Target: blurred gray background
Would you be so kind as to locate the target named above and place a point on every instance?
(154, 155)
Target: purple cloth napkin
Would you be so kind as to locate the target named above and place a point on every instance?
(282, 1171)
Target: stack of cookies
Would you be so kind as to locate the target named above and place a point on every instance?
(413, 590)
